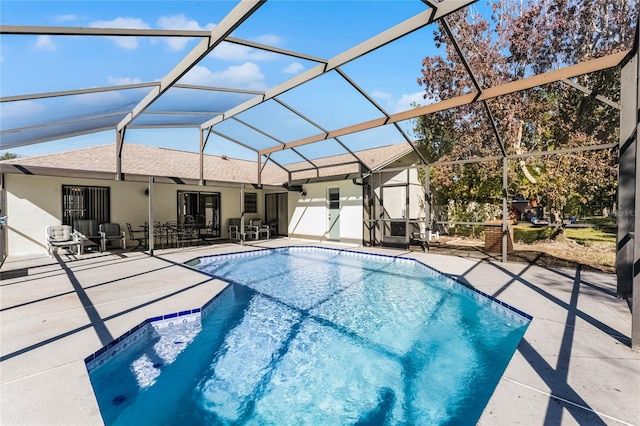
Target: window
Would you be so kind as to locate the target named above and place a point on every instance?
(85, 202)
(334, 199)
(250, 202)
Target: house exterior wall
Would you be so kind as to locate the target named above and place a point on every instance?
(35, 202)
(231, 207)
(309, 214)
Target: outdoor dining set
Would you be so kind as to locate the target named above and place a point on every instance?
(89, 235)
(171, 234)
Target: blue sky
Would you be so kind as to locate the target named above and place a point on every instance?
(35, 64)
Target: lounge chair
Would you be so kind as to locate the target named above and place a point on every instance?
(61, 236)
(88, 232)
(111, 232)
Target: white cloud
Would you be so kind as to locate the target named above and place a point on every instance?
(245, 76)
(44, 42)
(293, 68)
(405, 101)
(66, 18)
(236, 52)
(119, 81)
(378, 94)
(270, 40)
(21, 109)
(180, 22)
(129, 43)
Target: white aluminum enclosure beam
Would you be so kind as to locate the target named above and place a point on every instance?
(488, 93)
(139, 32)
(75, 92)
(121, 87)
(408, 26)
(262, 132)
(314, 124)
(587, 91)
(379, 108)
(446, 7)
(33, 141)
(229, 23)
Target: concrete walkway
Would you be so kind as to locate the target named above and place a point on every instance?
(573, 366)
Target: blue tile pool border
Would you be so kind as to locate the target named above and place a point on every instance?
(145, 328)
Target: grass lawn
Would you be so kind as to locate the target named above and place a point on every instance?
(531, 234)
(600, 230)
(588, 236)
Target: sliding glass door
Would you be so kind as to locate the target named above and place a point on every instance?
(276, 213)
(201, 209)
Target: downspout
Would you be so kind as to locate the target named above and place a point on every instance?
(150, 229)
(3, 215)
(364, 206)
(241, 230)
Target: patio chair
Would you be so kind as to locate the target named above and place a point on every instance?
(273, 228)
(88, 233)
(61, 236)
(186, 234)
(139, 236)
(234, 229)
(208, 233)
(111, 232)
(424, 239)
(251, 232)
(261, 229)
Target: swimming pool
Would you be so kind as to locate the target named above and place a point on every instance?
(316, 336)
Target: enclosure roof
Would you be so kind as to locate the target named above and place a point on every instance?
(288, 83)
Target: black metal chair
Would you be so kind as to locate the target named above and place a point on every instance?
(140, 239)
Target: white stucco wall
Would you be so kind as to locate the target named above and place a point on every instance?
(309, 215)
(35, 202)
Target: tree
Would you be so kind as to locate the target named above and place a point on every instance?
(8, 156)
(512, 40)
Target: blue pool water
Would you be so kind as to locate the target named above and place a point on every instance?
(318, 337)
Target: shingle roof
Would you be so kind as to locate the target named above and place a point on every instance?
(152, 161)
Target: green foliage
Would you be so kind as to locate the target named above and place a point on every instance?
(531, 234)
(475, 231)
(523, 38)
(8, 156)
(588, 236)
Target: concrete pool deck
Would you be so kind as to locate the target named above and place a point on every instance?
(573, 366)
